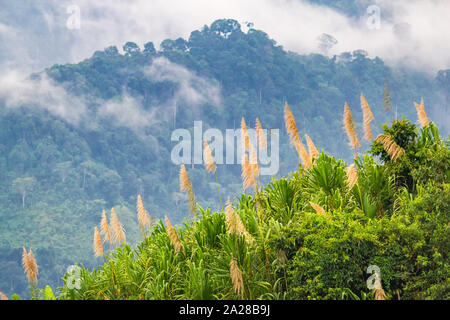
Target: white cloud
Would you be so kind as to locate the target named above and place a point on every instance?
(293, 24)
(128, 112)
(16, 90)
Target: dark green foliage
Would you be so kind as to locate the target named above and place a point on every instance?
(282, 202)
(374, 191)
(325, 181)
(426, 156)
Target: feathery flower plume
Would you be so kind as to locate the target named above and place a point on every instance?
(291, 126)
(209, 160)
(292, 129)
(174, 240)
(98, 246)
(254, 161)
(366, 108)
(210, 167)
(262, 142)
(352, 176)
(367, 117)
(184, 179)
(313, 153)
(191, 198)
(303, 155)
(104, 228)
(3, 296)
(318, 208)
(236, 277)
(392, 148)
(185, 184)
(143, 217)
(30, 266)
(248, 179)
(117, 228)
(379, 292)
(421, 114)
(234, 222)
(350, 127)
(367, 131)
(245, 139)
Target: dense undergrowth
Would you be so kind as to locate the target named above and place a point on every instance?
(312, 235)
(396, 217)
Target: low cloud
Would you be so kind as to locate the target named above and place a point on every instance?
(192, 89)
(413, 33)
(128, 112)
(18, 90)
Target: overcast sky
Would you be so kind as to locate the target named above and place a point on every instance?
(417, 32)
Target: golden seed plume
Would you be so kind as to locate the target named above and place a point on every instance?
(366, 108)
(118, 235)
(236, 277)
(367, 131)
(303, 155)
(392, 148)
(245, 139)
(350, 127)
(262, 142)
(318, 208)
(291, 126)
(30, 266)
(174, 240)
(379, 292)
(191, 198)
(184, 179)
(143, 216)
(352, 176)
(313, 152)
(3, 296)
(421, 114)
(98, 245)
(248, 179)
(234, 223)
(292, 130)
(254, 162)
(104, 228)
(185, 184)
(367, 117)
(209, 160)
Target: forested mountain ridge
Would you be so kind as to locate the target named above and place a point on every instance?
(74, 164)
